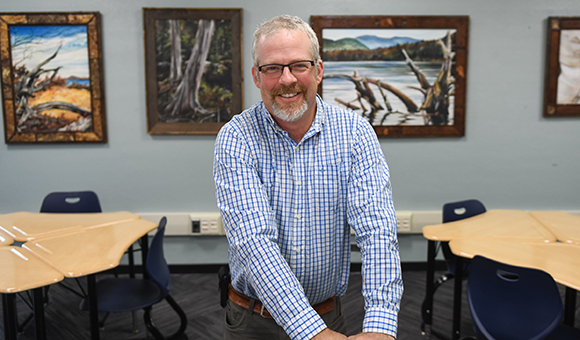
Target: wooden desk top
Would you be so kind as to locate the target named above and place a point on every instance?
(21, 270)
(26, 226)
(514, 225)
(5, 239)
(561, 260)
(565, 226)
(90, 250)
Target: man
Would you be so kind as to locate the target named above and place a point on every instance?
(293, 174)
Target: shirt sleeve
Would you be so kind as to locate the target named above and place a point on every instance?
(372, 215)
(258, 268)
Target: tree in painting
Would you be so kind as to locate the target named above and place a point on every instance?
(51, 78)
(199, 89)
(434, 105)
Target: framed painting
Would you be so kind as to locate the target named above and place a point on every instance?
(405, 74)
(193, 65)
(52, 78)
(562, 78)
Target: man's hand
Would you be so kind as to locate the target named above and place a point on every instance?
(327, 334)
(371, 336)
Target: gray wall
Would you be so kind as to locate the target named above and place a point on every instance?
(510, 156)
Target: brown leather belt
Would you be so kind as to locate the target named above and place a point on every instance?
(244, 302)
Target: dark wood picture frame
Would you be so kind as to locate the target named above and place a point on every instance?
(48, 96)
(559, 99)
(432, 125)
(175, 103)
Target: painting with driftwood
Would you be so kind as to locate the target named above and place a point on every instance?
(403, 79)
(193, 65)
(51, 78)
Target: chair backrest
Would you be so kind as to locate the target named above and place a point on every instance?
(511, 302)
(71, 202)
(157, 267)
(455, 211)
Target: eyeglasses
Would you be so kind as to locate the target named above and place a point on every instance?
(296, 68)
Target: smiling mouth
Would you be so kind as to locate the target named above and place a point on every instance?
(289, 95)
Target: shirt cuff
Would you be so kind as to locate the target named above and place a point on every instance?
(305, 326)
(380, 321)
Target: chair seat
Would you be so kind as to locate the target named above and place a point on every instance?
(125, 294)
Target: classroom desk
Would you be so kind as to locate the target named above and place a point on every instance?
(83, 247)
(26, 226)
(565, 226)
(95, 249)
(5, 239)
(506, 225)
(560, 260)
(21, 271)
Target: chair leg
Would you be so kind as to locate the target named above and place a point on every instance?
(134, 316)
(182, 317)
(441, 280)
(151, 327)
(102, 321)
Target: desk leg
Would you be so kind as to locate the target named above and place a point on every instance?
(93, 308)
(39, 314)
(144, 252)
(457, 298)
(427, 308)
(570, 307)
(9, 313)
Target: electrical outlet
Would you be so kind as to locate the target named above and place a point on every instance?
(404, 221)
(206, 224)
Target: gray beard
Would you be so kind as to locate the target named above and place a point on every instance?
(289, 115)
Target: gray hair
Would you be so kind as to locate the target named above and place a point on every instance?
(285, 23)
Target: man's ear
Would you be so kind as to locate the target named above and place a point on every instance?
(320, 69)
(255, 76)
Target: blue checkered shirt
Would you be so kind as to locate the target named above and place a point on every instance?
(288, 207)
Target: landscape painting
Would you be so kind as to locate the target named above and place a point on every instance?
(403, 80)
(51, 78)
(193, 65)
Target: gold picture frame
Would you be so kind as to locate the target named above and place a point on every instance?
(52, 78)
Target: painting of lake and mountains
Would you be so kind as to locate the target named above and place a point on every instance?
(391, 76)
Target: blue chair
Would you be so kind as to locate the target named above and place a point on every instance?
(515, 303)
(65, 202)
(78, 202)
(71, 202)
(132, 294)
(453, 211)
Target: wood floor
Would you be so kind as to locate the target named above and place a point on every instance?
(198, 296)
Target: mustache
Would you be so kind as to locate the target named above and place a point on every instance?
(288, 89)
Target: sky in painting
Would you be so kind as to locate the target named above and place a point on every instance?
(421, 34)
(33, 44)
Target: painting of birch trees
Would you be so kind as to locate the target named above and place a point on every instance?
(193, 69)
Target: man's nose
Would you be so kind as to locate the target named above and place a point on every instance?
(287, 76)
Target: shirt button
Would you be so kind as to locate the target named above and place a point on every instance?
(298, 182)
(298, 249)
(298, 216)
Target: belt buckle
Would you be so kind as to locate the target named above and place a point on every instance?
(262, 309)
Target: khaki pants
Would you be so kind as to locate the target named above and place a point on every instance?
(244, 324)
